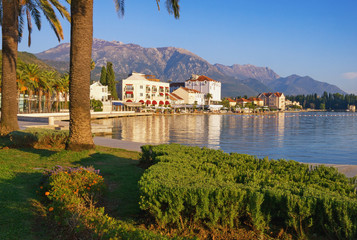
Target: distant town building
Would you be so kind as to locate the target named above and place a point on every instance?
(190, 96)
(99, 92)
(145, 89)
(352, 108)
(205, 85)
(242, 101)
(232, 103)
(175, 99)
(273, 100)
(291, 103)
(257, 101)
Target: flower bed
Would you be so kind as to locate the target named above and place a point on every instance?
(71, 195)
(189, 185)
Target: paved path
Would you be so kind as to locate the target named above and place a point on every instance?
(115, 143)
(348, 170)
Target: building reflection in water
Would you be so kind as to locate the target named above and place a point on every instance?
(239, 132)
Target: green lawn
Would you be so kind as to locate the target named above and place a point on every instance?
(21, 171)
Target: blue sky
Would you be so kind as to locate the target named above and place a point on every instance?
(317, 38)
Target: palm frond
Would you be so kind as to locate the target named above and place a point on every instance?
(61, 9)
(119, 7)
(172, 7)
(29, 26)
(20, 27)
(52, 19)
(0, 12)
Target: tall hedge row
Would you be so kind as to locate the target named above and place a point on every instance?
(192, 185)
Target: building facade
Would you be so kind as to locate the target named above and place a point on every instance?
(205, 85)
(273, 100)
(99, 92)
(190, 96)
(145, 89)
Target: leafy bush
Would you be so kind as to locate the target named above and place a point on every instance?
(189, 185)
(71, 195)
(39, 138)
(96, 105)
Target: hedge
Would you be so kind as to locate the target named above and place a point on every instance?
(191, 185)
(71, 195)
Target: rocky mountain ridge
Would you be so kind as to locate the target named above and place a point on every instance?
(177, 64)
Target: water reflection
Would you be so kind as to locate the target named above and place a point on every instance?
(303, 137)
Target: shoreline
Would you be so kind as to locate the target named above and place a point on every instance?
(347, 169)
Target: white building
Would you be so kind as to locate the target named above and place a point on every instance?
(99, 92)
(205, 85)
(190, 96)
(146, 89)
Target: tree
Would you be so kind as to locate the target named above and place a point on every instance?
(110, 80)
(80, 136)
(208, 97)
(103, 76)
(32, 75)
(12, 13)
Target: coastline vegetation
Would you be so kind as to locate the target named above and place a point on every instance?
(190, 187)
(327, 101)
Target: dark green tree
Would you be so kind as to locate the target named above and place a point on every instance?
(110, 79)
(103, 76)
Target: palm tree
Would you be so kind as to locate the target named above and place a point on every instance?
(58, 86)
(65, 82)
(32, 75)
(80, 136)
(51, 77)
(12, 15)
(208, 97)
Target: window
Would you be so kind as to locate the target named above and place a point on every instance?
(141, 94)
(141, 87)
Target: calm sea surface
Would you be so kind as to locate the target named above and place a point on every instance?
(305, 137)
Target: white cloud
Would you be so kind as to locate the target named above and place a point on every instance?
(349, 75)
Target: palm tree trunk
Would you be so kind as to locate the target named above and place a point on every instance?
(80, 135)
(9, 104)
(65, 101)
(48, 101)
(57, 101)
(40, 100)
(29, 103)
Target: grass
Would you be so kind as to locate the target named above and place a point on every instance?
(21, 171)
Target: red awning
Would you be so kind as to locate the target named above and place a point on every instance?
(142, 101)
(154, 102)
(129, 92)
(166, 94)
(161, 87)
(148, 102)
(161, 103)
(161, 94)
(167, 103)
(129, 101)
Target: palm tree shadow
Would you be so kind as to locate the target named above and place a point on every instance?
(121, 176)
(40, 152)
(17, 216)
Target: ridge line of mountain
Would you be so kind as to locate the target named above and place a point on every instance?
(177, 64)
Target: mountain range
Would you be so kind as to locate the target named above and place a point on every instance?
(177, 65)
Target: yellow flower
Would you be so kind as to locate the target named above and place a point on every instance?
(50, 209)
(47, 193)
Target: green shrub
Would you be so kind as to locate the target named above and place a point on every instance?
(71, 195)
(190, 185)
(96, 105)
(39, 138)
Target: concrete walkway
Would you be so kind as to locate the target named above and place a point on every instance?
(348, 170)
(115, 143)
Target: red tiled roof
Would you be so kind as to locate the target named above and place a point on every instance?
(278, 94)
(254, 99)
(190, 90)
(175, 96)
(230, 100)
(243, 100)
(202, 78)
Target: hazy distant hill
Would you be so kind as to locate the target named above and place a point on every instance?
(177, 64)
(26, 57)
(294, 85)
